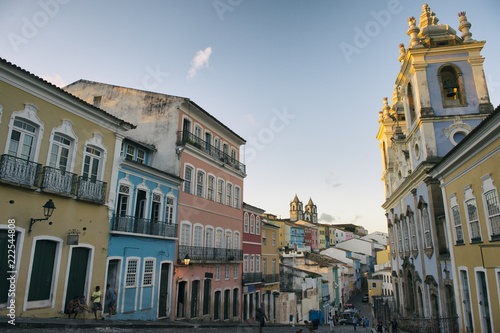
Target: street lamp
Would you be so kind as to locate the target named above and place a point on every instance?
(186, 260)
(48, 209)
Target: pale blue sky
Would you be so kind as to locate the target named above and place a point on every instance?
(273, 71)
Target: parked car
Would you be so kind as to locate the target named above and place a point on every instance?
(365, 298)
(346, 317)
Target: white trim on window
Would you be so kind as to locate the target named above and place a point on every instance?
(472, 215)
(170, 204)
(132, 268)
(211, 187)
(198, 234)
(200, 183)
(246, 223)
(237, 197)
(185, 231)
(95, 143)
(209, 236)
(29, 115)
(491, 207)
(229, 194)
(65, 131)
(189, 179)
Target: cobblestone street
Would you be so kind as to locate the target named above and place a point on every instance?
(233, 329)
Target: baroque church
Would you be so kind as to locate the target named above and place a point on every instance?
(297, 211)
(439, 97)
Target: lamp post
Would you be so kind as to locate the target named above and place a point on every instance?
(48, 209)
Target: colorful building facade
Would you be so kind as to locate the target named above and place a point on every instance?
(58, 151)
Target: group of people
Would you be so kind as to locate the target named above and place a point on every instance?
(79, 305)
(393, 325)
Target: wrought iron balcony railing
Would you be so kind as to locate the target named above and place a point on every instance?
(210, 254)
(92, 190)
(184, 137)
(271, 278)
(19, 171)
(143, 226)
(252, 277)
(56, 180)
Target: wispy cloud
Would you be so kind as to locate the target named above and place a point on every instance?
(331, 180)
(326, 218)
(55, 79)
(199, 61)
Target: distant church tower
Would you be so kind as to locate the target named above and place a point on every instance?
(311, 213)
(296, 210)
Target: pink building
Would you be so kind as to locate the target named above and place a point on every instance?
(210, 219)
(252, 270)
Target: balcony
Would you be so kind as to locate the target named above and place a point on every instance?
(58, 181)
(252, 277)
(91, 190)
(271, 278)
(142, 226)
(210, 254)
(19, 171)
(184, 137)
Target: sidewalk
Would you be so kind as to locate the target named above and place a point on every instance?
(23, 322)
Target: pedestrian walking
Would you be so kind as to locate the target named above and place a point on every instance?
(394, 325)
(331, 321)
(380, 327)
(355, 322)
(261, 317)
(111, 298)
(367, 322)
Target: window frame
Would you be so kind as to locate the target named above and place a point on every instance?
(66, 132)
(150, 274)
(469, 202)
(30, 117)
(200, 183)
(188, 179)
(489, 210)
(456, 223)
(135, 274)
(246, 222)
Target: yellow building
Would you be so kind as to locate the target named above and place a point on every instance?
(374, 288)
(281, 224)
(270, 269)
(469, 177)
(58, 151)
(322, 236)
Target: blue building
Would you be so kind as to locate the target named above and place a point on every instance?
(297, 236)
(143, 235)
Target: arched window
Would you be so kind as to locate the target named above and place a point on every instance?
(246, 223)
(200, 184)
(411, 102)
(452, 87)
(188, 179)
(252, 224)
